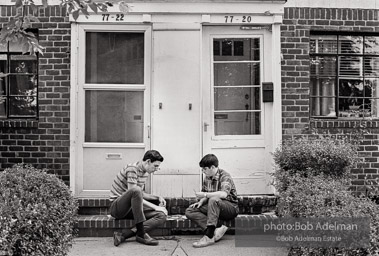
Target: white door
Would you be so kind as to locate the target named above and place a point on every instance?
(236, 122)
(113, 103)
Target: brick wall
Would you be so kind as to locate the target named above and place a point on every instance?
(295, 31)
(45, 142)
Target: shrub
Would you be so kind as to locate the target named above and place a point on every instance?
(37, 212)
(325, 196)
(309, 157)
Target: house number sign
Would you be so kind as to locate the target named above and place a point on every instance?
(238, 19)
(113, 17)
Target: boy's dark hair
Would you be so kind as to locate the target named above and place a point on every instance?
(153, 155)
(208, 161)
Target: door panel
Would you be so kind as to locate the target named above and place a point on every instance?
(102, 164)
(236, 121)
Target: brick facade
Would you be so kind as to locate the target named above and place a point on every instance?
(44, 143)
(295, 33)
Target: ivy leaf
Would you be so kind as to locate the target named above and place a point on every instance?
(108, 3)
(124, 7)
(84, 11)
(25, 46)
(93, 7)
(75, 14)
(33, 18)
(103, 7)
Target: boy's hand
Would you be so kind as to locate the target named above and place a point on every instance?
(162, 209)
(196, 205)
(162, 202)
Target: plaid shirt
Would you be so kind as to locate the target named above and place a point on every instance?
(222, 181)
(130, 174)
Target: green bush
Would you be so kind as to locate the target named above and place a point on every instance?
(324, 196)
(37, 213)
(313, 156)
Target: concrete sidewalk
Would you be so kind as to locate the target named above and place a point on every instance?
(168, 246)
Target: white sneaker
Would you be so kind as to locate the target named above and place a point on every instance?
(220, 232)
(204, 241)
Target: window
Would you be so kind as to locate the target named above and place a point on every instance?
(236, 71)
(114, 60)
(344, 76)
(19, 89)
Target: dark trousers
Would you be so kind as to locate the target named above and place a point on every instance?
(209, 214)
(130, 206)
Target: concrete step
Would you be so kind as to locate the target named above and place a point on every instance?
(105, 225)
(252, 204)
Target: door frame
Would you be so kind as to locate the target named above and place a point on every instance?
(77, 100)
(271, 123)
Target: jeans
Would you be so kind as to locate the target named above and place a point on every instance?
(130, 206)
(209, 214)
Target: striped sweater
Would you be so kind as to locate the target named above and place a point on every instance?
(130, 174)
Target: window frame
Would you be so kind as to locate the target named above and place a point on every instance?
(213, 87)
(6, 79)
(83, 86)
(338, 76)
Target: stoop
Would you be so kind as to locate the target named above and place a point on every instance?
(95, 221)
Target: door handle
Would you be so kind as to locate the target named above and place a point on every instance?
(205, 126)
(148, 131)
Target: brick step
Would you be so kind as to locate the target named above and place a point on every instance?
(254, 204)
(105, 225)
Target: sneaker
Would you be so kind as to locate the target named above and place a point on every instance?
(204, 241)
(220, 232)
(146, 239)
(118, 238)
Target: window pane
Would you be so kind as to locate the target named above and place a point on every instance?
(351, 88)
(354, 107)
(373, 110)
(323, 66)
(17, 46)
(3, 99)
(216, 48)
(3, 63)
(233, 49)
(323, 44)
(22, 106)
(241, 123)
(371, 66)
(23, 64)
(3, 87)
(372, 44)
(114, 58)
(323, 106)
(114, 116)
(350, 66)
(229, 74)
(226, 47)
(237, 98)
(322, 86)
(3, 47)
(350, 44)
(372, 85)
(23, 85)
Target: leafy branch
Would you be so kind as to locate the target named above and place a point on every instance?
(16, 30)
